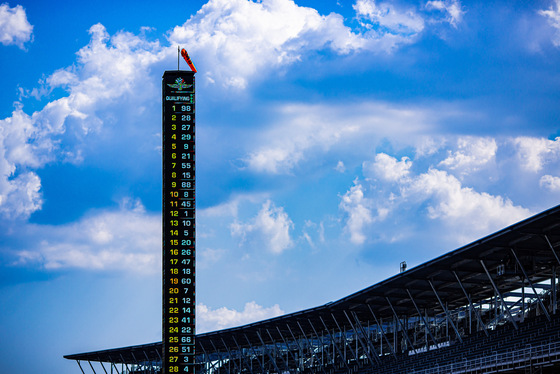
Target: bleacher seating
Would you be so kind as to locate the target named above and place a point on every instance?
(505, 338)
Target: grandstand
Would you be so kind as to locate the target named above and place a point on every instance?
(490, 306)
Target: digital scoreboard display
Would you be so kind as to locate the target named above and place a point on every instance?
(178, 140)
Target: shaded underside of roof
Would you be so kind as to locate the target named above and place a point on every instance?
(530, 246)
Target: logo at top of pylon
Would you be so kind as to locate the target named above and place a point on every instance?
(179, 84)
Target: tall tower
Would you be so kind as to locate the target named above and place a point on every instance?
(178, 208)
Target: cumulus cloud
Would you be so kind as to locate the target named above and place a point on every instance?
(237, 39)
(301, 130)
(552, 14)
(550, 182)
(126, 239)
(452, 10)
(534, 153)
(448, 200)
(440, 196)
(358, 210)
(388, 17)
(20, 196)
(472, 153)
(388, 168)
(23, 145)
(108, 68)
(270, 229)
(217, 319)
(429, 145)
(15, 29)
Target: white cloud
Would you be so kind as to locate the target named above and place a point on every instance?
(14, 27)
(23, 145)
(452, 9)
(217, 319)
(20, 196)
(109, 68)
(439, 196)
(448, 200)
(301, 130)
(231, 207)
(550, 183)
(553, 16)
(472, 154)
(340, 167)
(386, 16)
(126, 239)
(238, 39)
(358, 210)
(270, 229)
(535, 152)
(312, 230)
(429, 145)
(387, 168)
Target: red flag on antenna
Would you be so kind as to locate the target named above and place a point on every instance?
(188, 59)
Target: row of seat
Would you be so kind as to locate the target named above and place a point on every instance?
(506, 338)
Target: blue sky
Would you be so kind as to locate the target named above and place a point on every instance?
(335, 139)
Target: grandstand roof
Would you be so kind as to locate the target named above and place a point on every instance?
(441, 282)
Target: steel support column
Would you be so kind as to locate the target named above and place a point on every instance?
(320, 340)
(380, 325)
(255, 353)
(405, 330)
(218, 352)
(345, 339)
(423, 320)
(137, 363)
(231, 359)
(310, 345)
(113, 366)
(103, 367)
(300, 363)
(369, 343)
(78, 362)
(208, 360)
(554, 291)
(447, 314)
(364, 346)
(91, 366)
(288, 346)
(552, 249)
(530, 284)
(249, 364)
(277, 350)
(478, 317)
(124, 362)
(268, 354)
(343, 359)
(499, 294)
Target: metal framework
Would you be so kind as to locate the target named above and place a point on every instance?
(457, 308)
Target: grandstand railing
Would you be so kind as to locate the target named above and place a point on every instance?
(518, 359)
